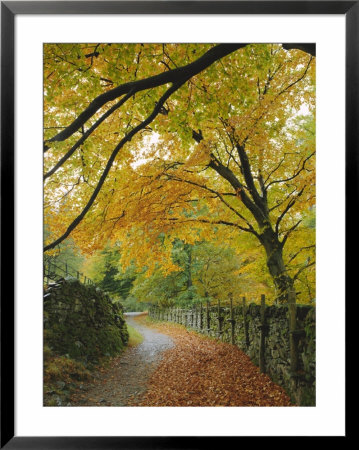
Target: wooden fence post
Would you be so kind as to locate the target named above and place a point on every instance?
(201, 317)
(208, 318)
(45, 275)
(231, 319)
(220, 320)
(293, 342)
(245, 322)
(262, 336)
(48, 272)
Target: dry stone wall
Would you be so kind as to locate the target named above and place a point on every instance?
(265, 338)
(81, 321)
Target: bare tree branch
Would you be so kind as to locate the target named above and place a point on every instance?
(287, 208)
(103, 177)
(218, 195)
(178, 75)
(228, 175)
(301, 270)
(294, 175)
(308, 48)
(289, 232)
(248, 177)
(299, 251)
(86, 135)
(211, 222)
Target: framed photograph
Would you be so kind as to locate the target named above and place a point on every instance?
(176, 184)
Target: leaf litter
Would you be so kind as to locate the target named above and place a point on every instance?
(200, 371)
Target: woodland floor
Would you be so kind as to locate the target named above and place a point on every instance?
(176, 367)
(128, 374)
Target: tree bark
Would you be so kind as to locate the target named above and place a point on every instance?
(178, 75)
(274, 252)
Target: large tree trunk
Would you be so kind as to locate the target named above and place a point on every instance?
(274, 251)
(188, 249)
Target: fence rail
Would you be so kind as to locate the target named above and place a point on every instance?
(55, 272)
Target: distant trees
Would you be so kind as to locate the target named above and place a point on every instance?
(105, 269)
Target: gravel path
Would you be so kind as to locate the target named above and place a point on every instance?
(127, 379)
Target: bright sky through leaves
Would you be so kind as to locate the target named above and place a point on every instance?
(147, 143)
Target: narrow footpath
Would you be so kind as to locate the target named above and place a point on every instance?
(128, 376)
(177, 367)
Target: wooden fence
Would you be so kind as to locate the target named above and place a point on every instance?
(273, 336)
(55, 272)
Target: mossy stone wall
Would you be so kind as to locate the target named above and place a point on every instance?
(82, 322)
(247, 327)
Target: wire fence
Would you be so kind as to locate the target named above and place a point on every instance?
(54, 272)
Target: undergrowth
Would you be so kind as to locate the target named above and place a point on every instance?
(135, 338)
(62, 375)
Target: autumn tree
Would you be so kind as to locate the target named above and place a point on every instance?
(66, 253)
(184, 140)
(104, 268)
(205, 271)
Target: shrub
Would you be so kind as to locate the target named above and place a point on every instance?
(82, 322)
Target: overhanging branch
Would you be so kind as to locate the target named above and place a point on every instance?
(179, 75)
(103, 177)
(86, 135)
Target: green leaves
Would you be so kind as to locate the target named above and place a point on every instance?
(259, 98)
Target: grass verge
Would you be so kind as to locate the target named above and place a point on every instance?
(135, 338)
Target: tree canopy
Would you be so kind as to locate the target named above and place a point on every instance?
(148, 143)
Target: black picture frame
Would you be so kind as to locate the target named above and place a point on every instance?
(9, 9)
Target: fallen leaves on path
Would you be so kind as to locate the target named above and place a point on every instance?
(200, 371)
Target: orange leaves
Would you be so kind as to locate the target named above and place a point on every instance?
(260, 97)
(200, 371)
